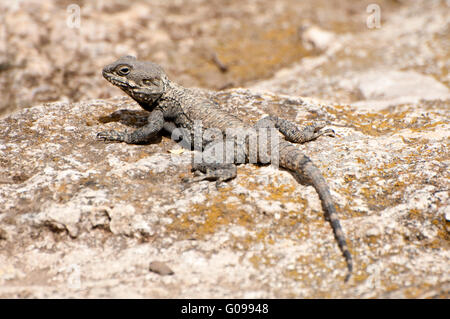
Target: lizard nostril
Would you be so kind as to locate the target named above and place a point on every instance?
(107, 69)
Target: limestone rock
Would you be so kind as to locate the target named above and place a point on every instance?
(80, 218)
(382, 88)
(79, 204)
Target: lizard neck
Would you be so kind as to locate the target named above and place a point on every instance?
(174, 91)
(172, 99)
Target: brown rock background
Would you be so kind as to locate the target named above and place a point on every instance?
(81, 218)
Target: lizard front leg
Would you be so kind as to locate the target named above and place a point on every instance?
(141, 135)
(293, 132)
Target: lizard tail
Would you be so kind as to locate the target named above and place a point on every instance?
(300, 163)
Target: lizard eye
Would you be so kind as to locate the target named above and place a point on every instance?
(123, 70)
(151, 82)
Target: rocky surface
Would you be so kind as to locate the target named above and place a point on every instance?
(52, 50)
(81, 218)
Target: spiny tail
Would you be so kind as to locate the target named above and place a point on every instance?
(294, 160)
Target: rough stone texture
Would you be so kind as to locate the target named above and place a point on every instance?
(81, 218)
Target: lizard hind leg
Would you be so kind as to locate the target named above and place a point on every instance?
(218, 172)
(217, 162)
(293, 132)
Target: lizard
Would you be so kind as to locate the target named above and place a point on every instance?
(177, 110)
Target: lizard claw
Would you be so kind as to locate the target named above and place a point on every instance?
(318, 126)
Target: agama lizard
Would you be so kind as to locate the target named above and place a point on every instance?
(177, 110)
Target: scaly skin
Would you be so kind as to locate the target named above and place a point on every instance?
(177, 110)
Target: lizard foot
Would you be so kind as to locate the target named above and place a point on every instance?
(219, 173)
(313, 131)
(328, 132)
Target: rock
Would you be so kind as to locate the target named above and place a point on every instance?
(61, 217)
(99, 217)
(124, 221)
(81, 218)
(315, 38)
(89, 203)
(376, 68)
(45, 56)
(160, 268)
(382, 88)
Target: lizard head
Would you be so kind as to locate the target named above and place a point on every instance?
(145, 82)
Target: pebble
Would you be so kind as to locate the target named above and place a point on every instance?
(160, 268)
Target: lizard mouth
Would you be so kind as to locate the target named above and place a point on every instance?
(115, 80)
